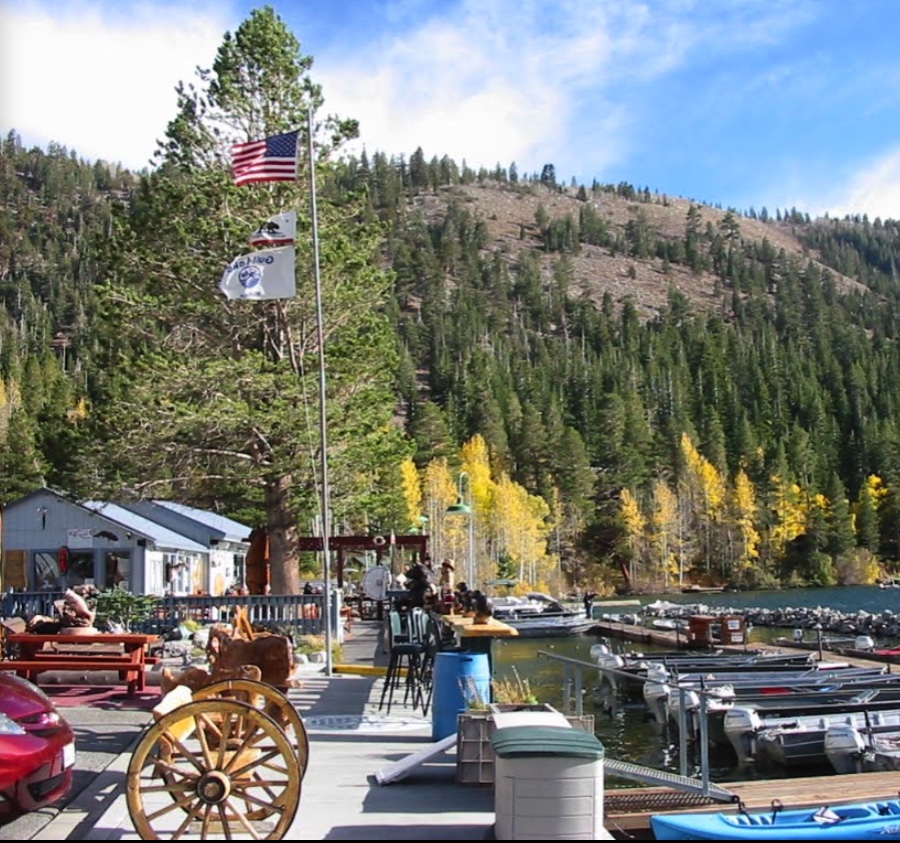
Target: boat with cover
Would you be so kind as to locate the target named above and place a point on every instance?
(875, 820)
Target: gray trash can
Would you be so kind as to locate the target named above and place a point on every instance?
(548, 784)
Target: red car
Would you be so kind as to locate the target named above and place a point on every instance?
(37, 748)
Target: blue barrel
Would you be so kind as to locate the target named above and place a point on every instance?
(460, 679)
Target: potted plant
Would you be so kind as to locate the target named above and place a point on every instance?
(474, 754)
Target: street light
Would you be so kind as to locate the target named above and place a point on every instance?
(462, 508)
(420, 527)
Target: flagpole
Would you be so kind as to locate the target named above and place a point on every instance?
(323, 425)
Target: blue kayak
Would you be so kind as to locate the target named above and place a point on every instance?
(859, 821)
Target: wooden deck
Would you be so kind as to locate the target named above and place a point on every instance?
(627, 811)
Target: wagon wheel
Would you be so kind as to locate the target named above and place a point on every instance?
(215, 768)
(274, 703)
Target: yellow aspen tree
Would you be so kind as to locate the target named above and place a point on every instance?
(5, 411)
(877, 489)
(665, 535)
(439, 492)
(477, 465)
(528, 531)
(412, 490)
(79, 412)
(790, 510)
(709, 495)
(745, 515)
(635, 524)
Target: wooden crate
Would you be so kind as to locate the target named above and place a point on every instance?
(474, 753)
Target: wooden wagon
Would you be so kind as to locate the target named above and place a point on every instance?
(222, 761)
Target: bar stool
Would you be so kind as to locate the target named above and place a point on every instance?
(430, 636)
(406, 652)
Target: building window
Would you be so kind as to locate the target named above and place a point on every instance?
(117, 570)
(48, 577)
(239, 575)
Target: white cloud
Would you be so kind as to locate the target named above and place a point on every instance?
(872, 189)
(875, 190)
(99, 84)
(508, 94)
(530, 80)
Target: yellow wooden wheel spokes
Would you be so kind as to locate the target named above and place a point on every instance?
(266, 697)
(214, 768)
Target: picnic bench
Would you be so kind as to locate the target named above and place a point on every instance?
(123, 653)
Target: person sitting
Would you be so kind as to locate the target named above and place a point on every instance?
(463, 597)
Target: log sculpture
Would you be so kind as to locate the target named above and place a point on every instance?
(231, 647)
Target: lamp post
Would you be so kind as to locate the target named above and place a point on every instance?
(462, 508)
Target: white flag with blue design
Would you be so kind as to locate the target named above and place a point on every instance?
(266, 274)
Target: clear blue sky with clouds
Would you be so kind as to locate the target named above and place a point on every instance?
(738, 103)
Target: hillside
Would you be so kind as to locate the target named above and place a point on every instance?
(779, 362)
(510, 209)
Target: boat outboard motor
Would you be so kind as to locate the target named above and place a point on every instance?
(741, 727)
(607, 661)
(690, 701)
(864, 642)
(845, 747)
(655, 692)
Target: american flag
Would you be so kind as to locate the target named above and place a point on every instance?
(272, 159)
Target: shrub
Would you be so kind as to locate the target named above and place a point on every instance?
(119, 607)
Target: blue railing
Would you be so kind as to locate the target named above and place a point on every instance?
(303, 614)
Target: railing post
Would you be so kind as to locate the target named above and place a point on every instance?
(682, 731)
(579, 693)
(704, 743)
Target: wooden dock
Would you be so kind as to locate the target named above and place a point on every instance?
(627, 811)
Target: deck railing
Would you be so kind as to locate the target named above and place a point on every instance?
(303, 614)
(573, 688)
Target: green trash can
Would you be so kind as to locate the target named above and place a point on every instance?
(548, 784)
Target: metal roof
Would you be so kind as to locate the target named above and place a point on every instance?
(231, 530)
(161, 536)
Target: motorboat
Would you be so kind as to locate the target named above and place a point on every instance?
(628, 671)
(798, 741)
(867, 748)
(875, 820)
(538, 615)
(659, 682)
(737, 720)
(543, 627)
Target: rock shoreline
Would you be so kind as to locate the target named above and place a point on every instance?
(884, 624)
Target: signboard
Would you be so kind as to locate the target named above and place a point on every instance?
(79, 539)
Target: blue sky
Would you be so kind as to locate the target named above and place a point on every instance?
(740, 103)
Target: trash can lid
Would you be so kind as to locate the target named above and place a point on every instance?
(555, 741)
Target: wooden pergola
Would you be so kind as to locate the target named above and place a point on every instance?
(380, 544)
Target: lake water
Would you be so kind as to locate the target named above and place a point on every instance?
(628, 733)
(868, 598)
